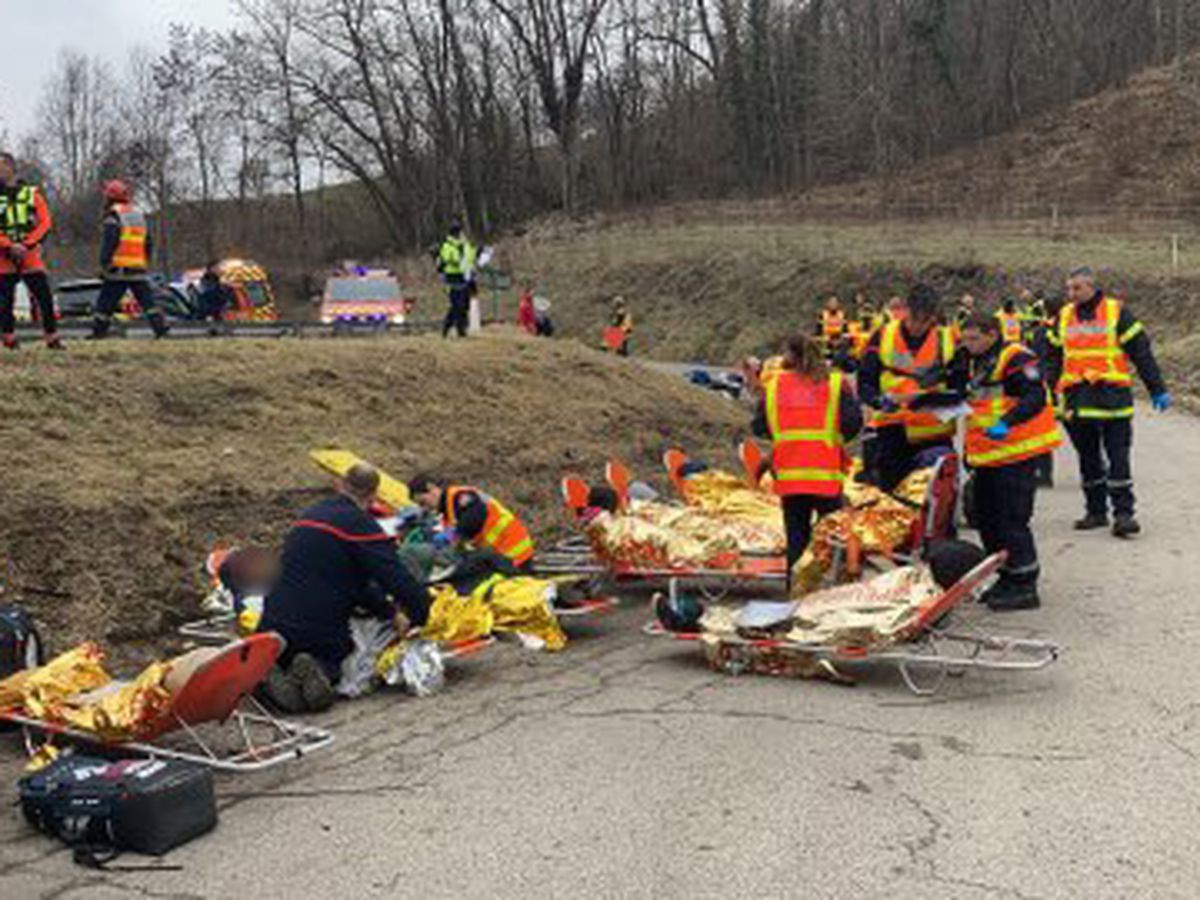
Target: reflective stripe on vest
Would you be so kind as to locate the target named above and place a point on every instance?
(1092, 350)
(20, 216)
(502, 531)
(806, 452)
(989, 405)
(131, 246)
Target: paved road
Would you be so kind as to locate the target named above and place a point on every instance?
(624, 768)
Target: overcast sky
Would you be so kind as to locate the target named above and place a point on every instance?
(34, 31)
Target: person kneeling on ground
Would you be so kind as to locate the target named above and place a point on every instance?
(1010, 428)
(336, 560)
(476, 518)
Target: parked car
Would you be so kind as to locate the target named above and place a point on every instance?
(357, 296)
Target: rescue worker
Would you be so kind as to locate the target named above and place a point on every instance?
(810, 414)
(1039, 342)
(336, 560)
(621, 319)
(1032, 309)
(126, 248)
(456, 263)
(470, 515)
(832, 325)
(1011, 426)
(1096, 339)
(895, 311)
(1010, 321)
(213, 296)
(24, 223)
(965, 309)
(902, 377)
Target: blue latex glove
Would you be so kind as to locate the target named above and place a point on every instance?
(998, 432)
(446, 538)
(1161, 402)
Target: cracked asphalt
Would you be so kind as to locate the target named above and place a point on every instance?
(623, 767)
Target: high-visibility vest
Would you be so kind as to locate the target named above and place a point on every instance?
(860, 336)
(903, 372)
(130, 254)
(989, 405)
(457, 256)
(1010, 326)
(1092, 350)
(19, 217)
(803, 415)
(502, 532)
(833, 324)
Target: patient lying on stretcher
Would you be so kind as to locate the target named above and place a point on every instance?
(868, 616)
(655, 535)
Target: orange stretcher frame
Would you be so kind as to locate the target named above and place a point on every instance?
(219, 691)
(924, 647)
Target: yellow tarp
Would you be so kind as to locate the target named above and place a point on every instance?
(338, 462)
(499, 604)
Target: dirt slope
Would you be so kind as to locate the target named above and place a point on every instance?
(125, 462)
(1133, 146)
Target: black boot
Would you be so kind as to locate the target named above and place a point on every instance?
(1009, 595)
(1092, 521)
(1125, 526)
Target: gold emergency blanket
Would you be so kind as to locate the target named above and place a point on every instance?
(74, 689)
(725, 494)
(518, 604)
(870, 615)
(877, 522)
(635, 541)
(765, 538)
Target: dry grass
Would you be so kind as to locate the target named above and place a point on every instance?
(125, 462)
(711, 286)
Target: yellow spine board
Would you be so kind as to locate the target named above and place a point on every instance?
(338, 462)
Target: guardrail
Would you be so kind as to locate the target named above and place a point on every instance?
(140, 330)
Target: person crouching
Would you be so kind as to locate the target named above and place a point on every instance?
(336, 561)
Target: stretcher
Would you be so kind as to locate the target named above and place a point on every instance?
(937, 520)
(217, 696)
(576, 556)
(926, 653)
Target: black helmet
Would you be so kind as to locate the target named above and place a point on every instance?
(679, 613)
(456, 226)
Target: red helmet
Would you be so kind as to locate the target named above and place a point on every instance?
(117, 192)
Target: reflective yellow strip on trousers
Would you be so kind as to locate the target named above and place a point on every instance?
(1125, 412)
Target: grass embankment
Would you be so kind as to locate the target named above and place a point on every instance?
(125, 462)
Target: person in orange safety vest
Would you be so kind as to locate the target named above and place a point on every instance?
(1011, 426)
(126, 248)
(809, 414)
(24, 223)
(478, 519)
